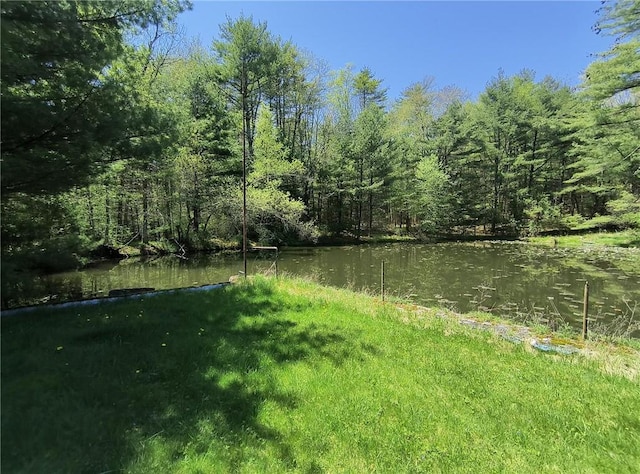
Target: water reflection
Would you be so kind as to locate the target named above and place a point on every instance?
(508, 278)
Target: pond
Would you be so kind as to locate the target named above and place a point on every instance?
(508, 278)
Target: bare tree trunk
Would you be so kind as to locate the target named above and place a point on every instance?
(496, 190)
(92, 223)
(107, 213)
(196, 203)
(145, 211)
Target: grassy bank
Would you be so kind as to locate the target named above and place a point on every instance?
(627, 238)
(289, 376)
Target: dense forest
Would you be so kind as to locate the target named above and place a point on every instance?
(117, 130)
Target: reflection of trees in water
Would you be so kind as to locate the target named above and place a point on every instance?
(512, 278)
(32, 289)
(98, 280)
(508, 278)
(555, 281)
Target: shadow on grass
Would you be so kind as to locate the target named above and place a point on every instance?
(98, 389)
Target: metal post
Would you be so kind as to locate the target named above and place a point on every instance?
(585, 312)
(382, 280)
(244, 175)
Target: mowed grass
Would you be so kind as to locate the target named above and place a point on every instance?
(289, 376)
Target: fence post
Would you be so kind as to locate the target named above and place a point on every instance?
(382, 280)
(585, 311)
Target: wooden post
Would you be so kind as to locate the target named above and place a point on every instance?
(382, 280)
(585, 311)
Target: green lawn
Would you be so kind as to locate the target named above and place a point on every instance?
(290, 376)
(627, 238)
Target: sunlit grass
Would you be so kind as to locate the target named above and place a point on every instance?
(289, 376)
(627, 238)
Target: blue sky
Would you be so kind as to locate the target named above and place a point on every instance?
(457, 43)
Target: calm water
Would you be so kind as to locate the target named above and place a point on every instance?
(507, 278)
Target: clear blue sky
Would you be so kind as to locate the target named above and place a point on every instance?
(457, 43)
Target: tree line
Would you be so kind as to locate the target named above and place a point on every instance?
(117, 130)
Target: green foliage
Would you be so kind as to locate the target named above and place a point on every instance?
(41, 233)
(608, 124)
(410, 127)
(625, 210)
(434, 205)
(75, 97)
(61, 104)
(273, 215)
(270, 165)
(542, 215)
(252, 65)
(508, 151)
(245, 53)
(205, 162)
(340, 97)
(370, 153)
(367, 88)
(135, 137)
(620, 18)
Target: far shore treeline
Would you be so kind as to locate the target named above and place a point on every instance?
(117, 130)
